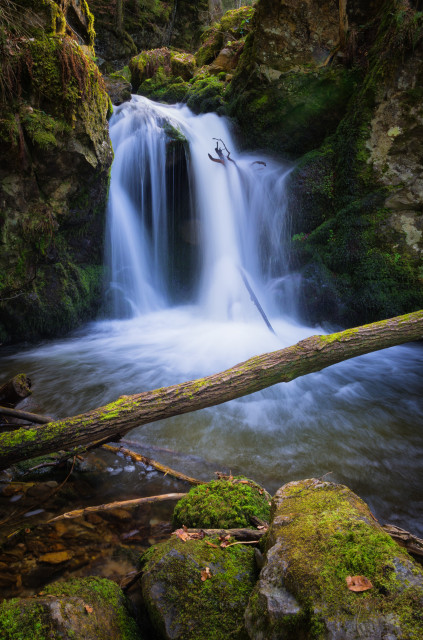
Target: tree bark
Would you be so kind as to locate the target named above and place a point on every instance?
(117, 418)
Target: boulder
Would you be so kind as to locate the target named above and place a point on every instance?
(194, 591)
(332, 573)
(84, 609)
(222, 504)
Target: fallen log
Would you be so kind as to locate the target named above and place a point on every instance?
(15, 390)
(114, 420)
(123, 504)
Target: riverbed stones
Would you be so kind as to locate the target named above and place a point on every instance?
(321, 534)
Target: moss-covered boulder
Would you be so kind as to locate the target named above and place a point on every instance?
(322, 536)
(85, 609)
(196, 591)
(55, 156)
(222, 504)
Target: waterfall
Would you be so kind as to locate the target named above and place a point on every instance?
(238, 212)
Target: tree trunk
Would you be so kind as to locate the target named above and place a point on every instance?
(117, 418)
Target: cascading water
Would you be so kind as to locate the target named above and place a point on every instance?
(178, 236)
(238, 213)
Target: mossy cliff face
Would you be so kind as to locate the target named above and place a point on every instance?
(357, 201)
(320, 534)
(200, 81)
(88, 609)
(55, 156)
(147, 24)
(284, 94)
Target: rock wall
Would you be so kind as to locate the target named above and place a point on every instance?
(55, 156)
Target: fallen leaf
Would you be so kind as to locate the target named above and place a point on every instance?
(205, 574)
(358, 583)
(56, 557)
(211, 544)
(182, 535)
(88, 609)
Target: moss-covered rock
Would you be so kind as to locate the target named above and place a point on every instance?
(320, 535)
(87, 609)
(183, 605)
(358, 199)
(55, 155)
(222, 504)
(147, 24)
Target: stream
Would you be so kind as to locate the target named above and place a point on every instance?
(182, 233)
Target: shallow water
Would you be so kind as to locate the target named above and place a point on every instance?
(359, 420)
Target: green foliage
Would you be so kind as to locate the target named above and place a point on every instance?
(29, 623)
(222, 504)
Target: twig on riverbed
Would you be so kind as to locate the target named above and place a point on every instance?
(137, 457)
(125, 504)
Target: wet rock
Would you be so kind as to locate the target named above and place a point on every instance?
(183, 603)
(118, 88)
(89, 609)
(322, 533)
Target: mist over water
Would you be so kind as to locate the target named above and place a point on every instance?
(359, 420)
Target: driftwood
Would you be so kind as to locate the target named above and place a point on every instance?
(244, 535)
(123, 504)
(117, 418)
(255, 301)
(137, 457)
(24, 415)
(15, 390)
(413, 544)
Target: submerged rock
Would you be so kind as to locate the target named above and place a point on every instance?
(321, 535)
(197, 592)
(87, 609)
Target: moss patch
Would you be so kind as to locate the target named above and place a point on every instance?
(222, 504)
(182, 605)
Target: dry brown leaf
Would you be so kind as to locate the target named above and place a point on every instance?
(211, 544)
(182, 535)
(88, 609)
(358, 583)
(205, 574)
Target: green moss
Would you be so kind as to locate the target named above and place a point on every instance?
(328, 534)
(30, 623)
(200, 610)
(26, 619)
(222, 504)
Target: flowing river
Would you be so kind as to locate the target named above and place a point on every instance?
(185, 236)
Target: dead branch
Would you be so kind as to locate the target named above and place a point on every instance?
(124, 504)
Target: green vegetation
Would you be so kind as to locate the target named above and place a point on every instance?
(328, 534)
(209, 609)
(222, 504)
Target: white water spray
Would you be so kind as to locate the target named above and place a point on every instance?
(239, 212)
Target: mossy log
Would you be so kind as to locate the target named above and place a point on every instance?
(15, 390)
(117, 418)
